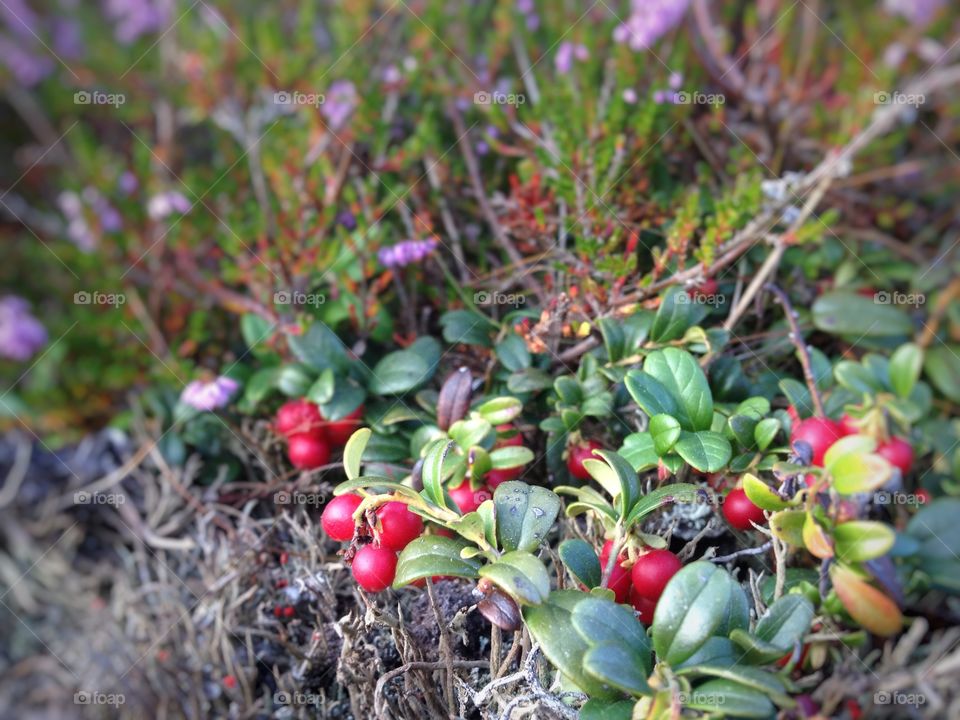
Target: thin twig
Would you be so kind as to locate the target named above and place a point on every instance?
(803, 352)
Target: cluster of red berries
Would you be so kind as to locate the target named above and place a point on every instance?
(469, 498)
(643, 584)
(820, 433)
(374, 564)
(310, 436)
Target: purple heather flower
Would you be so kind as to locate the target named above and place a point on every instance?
(533, 21)
(347, 220)
(675, 81)
(660, 97)
(20, 18)
(339, 103)
(567, 53)
(207, 396)
(629, 96)
(133, 18)
(481, 148)
(128, 183)
(167, 203)
(406, 252)
(27, 67)
(67, 39)
(917, 12)
(391, 75)
(526, 6)
(21, 334)
(649, 21)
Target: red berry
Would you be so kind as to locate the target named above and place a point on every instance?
(337, 517)
(740, 511)
(398, 526)
(619, 576)
(374, 568)
(468, 499)
(339, 431)
(576, 454)
(793, 414)
(229, 681)
(299, 417)
(307, 452)
(495, 478)
(289, 611)
(707, 287)
(278, 611)
(898, 452)
(923, 496)
(819, 432)
(284, 557)
(515, 440)
(652, 571)
(848, 425)
(644, 606)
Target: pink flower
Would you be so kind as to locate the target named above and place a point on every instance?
(567, 53)
(649, 21)
(207, 396)
(339, 103)
(167, 203)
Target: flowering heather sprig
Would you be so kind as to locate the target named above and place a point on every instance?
(567, 53)
(21, 334)
(649, 21)
(167, 203)
(406, 252)
(207, 396)
(340, 101)
(27, 67)
(134, 18)
(918, 12)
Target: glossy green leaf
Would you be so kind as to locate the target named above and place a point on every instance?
(601, 621)
(353, 452)
(500, 410)
(787, 525)
(511, 457)
(525, 514)
(761, 494)
(785, 622)
(520, 575)
(673, 316)
(843, 312)
(692, 607)
(615, 665)
(730, 699)
(399, 372)
(705, 450)
(942, 365)
(861, 540)
(581, 560)
(678, 372)
(765, 431)
(748, 677)
(430, 555)
(665, 431)
(639, 451)
(855, 473)
(512, 353)
(432, 472)
(905, 366)
(594, 709)
(677, 492)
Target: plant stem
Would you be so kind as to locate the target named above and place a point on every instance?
(803, 352)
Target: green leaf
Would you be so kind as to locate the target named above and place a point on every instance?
(529, 380)
(692, 607)
(322, 389)
(765, 431)
(466, 326)
(651, 395)
(677, 492)
(742, 428)
(615, 664)
(500, 410)
(293, 380)
(639, 451)
(761, 495)
(347, 397)
(785, 622)
(430, 555)
(678, 372)
(399, 372)
(936, 529)
(754, 678)
(730, 699)
(787, 525)
(628, 490)
(705, 450)
(673, 316)
(581, 560)
(942, 365)
(754, 650)
(525, 514)
(432, 472)
(520, 575)
(611, 330)
(377, 483)
(255, 329)
(905, 366)
(472, 431)
(511, 457)
(665, 431)
(512, 353)
(847, 313)
(353, 452)
(565, 650)
(856, 378)
(594, 709)
(859, 473)
(861, 540)
(260, 384)
(602, 621)
(319, 347)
